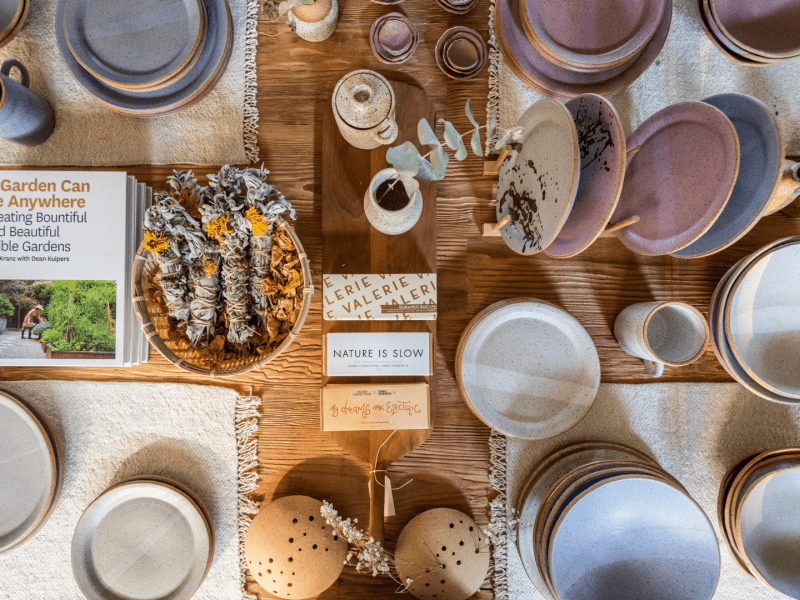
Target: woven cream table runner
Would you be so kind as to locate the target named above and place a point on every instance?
(220, 130)
(689, 67)
(197, 435)
(695, 431)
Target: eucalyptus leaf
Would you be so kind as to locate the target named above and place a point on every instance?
(404, 158)
(461, 153)
(426, 135)
(476, 143)
(451, 135)
(470, 116)
(435, 169)
(502, 141)
(492, 125)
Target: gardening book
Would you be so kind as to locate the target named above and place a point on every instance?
(67, 244)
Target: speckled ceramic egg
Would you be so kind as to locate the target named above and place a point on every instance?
(291, 551)
(444, 553)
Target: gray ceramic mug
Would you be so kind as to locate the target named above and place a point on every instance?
(25, 117)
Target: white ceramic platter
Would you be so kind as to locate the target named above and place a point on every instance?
(186, 90)
(634, 538)
(134, 44)
(762, 320)
(28, 472)
(527, 368)
(539, 181)
(140, 541)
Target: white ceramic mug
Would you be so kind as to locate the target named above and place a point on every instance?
(315, 31)
(364, 108)
(662, 333)
(392, 222)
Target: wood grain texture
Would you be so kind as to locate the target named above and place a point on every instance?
(352, 246)
(452, 468)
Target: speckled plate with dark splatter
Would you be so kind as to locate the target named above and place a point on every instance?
(539, 178)
(601, 139)
(680, 180)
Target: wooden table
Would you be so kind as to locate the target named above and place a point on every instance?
(452, 468)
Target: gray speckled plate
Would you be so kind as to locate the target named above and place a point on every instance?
(539, 178)
(28, 472)
(134, 44)
(187, 90)
(140, 541)
(527, 368)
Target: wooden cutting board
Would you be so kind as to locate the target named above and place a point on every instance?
(350, 245)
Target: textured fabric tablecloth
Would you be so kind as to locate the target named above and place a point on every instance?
(695, 431)
(221, 129)
(689, 67)
(113, 431)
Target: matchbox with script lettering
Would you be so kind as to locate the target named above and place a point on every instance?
(378, 406)
(400, 297)
(379, 354)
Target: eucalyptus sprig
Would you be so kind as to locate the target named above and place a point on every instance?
(432, 166)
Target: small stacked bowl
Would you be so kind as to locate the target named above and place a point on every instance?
(602, 520)
(461, 53)
(31, 470)
(145, 537)
(759, 516)
(458, 7)
(752, 33)
(13, 14)
(393, 38)
(147, 59)
(754, 318)
(563, 49)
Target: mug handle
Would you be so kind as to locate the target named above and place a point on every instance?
(653, 368)
(9, 64)
(383, 137)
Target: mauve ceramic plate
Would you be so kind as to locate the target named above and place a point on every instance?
(601, 139)
(770, 28)
(551, 80)
(29, 473)
(527, 368)
(705, 25)
(10, 13)
(141, 540)
(762, 320)
(539, 178)
(134, 44)
(600, 33)
(681, 178)
(634, 538)
(760, 169)
(187, 90)
(729, 45)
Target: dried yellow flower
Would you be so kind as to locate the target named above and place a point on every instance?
(259, 224)
(217, 228)
(155, 242)
(210, 267)
(294, 281)
(188, 201)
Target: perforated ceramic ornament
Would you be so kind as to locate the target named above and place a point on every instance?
(444, 553)
(291, 551)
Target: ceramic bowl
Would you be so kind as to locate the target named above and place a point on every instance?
(634, 538)
(462, 54)
(769, 28)
(393, 38)
(468, 35)
(457, 7)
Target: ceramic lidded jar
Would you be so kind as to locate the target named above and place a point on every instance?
(400, 220)
(314, 22)
(364, 108)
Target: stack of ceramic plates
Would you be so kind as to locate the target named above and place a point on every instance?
(680, 176)
(563, 49)
(393, 38)
(13, 14)
(527, 368)
(461, 53)
(752, 33)
(458, 7)
(755, 320)
(601, 520)
(147, 537)
(31, 470)
(759, 516)
(147, 59)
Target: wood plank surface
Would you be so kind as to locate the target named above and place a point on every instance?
(451, 468)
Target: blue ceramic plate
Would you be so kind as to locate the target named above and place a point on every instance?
(760, 170)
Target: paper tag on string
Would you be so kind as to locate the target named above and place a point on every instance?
(388, 499)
